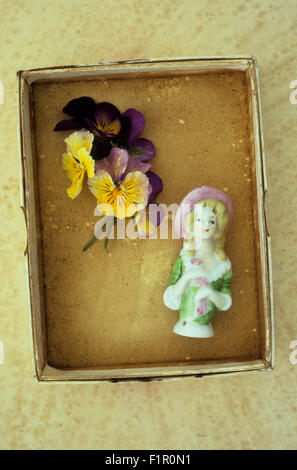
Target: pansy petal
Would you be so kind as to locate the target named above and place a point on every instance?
(75, 173)
(125, 128)
(156, 214)
(110, 130)
(106, 113)
(78, 140)
(91, 125)
(122, 206)
(143, 149)
(134, 164)
(70, 165)
(68, 125)
(118, 159)
(137, 124)
(105, 165)
(76, 186)
(86, 161)
(156, 185)
(80, 107)
(111, 200)
(101, 148)
(136, 188)
(101, 186)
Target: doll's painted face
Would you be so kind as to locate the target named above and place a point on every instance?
(205, 222)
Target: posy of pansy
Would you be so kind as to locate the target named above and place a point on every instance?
(106, 149)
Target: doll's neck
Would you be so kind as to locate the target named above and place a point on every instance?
(205, 250)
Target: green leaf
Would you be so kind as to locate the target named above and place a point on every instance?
(135, 151)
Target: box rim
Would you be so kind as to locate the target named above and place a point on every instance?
(62, 68)
(52, 374)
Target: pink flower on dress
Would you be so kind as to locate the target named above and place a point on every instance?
(202, 308)
(196, 261)
(201, 281)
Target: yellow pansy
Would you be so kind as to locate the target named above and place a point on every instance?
(78, 140)
(77, 160)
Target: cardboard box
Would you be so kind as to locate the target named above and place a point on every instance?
(99, 315)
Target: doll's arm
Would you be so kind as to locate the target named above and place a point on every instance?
(185, 279)
(177, 271)
(224, 283)
(221, 291)
(178, 284)
(220, 298)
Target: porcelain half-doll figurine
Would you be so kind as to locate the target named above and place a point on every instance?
(200, 283)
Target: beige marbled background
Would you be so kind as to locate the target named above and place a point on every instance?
(243, 411)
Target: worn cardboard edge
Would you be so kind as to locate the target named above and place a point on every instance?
(141, 374)
(265, 241)
(32, 74)
(25, 153)
(268, 237)
(19, 95)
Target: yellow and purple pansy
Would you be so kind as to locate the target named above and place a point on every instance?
(122, 184)
(106, 122)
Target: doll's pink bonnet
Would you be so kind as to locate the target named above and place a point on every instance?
(198, 195)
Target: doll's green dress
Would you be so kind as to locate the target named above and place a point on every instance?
(191, 307)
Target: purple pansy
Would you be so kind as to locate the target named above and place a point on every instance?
(137, 121)
(156, 185)
(109, 126)
(78, 109)
(156, 214)
(141, 148)
(107, 119)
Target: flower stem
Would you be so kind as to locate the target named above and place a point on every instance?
(94, 238)
(90, 243)
(106, 240)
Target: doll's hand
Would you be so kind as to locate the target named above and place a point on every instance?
(222, 301)
(204, 293)
(187, 276)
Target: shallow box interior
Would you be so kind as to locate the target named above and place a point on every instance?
(104, 309)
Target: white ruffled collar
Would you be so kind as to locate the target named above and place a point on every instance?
(219, 271)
